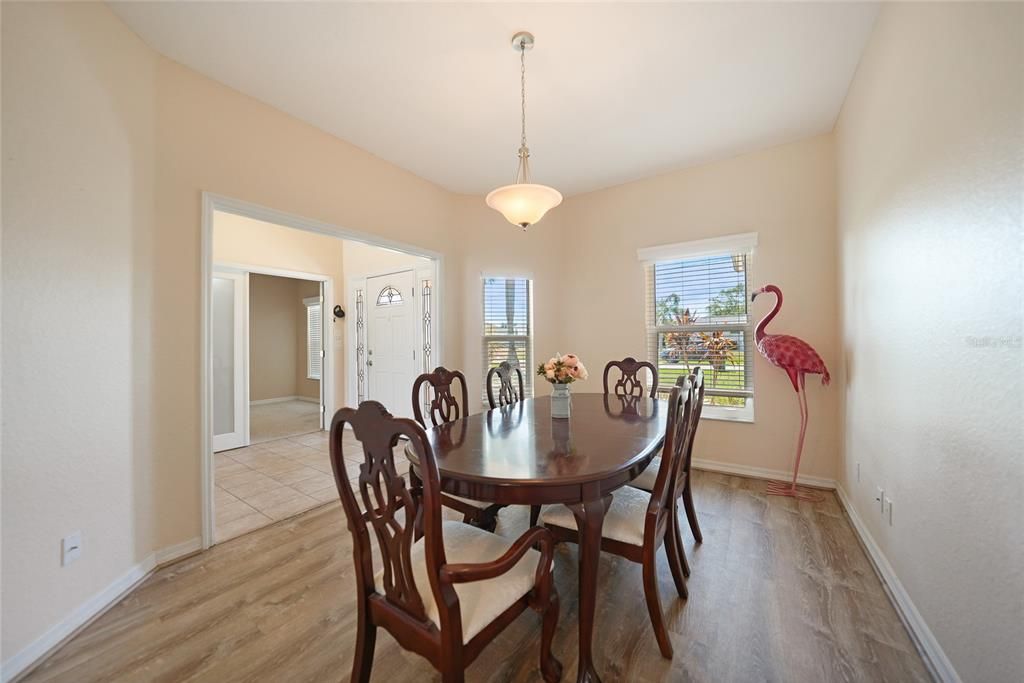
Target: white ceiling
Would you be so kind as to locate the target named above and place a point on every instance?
(615, 92)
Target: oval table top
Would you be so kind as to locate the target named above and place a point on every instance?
(519, 454)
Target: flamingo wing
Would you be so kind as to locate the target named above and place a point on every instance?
(793, 355)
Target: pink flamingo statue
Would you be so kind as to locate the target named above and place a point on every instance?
(797, 358)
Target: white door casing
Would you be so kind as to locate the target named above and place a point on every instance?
(229, 314)
(391, 340)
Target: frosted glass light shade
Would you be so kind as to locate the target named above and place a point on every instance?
(524, 204)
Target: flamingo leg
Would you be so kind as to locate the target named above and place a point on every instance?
(791, 489)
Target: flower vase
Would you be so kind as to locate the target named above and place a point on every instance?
(560, 401)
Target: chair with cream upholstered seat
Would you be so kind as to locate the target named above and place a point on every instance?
(444, 407)
(637, 523)
(448, 594)
(646, 479)
(629, 382)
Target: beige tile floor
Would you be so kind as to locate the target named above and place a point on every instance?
(267, 482)
(272, 421)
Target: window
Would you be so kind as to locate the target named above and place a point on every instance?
(314, 337)
(508, 326)
(388, 296)
(698, 316)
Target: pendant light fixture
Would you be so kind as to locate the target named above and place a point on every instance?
(523, 203)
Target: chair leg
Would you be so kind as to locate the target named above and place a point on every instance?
(534, 514)
(654, 604)
(691, 512)
(550, 668)
(672, 550)
(486, 519)
(366, 639)
(678, 533)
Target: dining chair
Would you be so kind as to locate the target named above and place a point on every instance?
(636, 523)
(447, 595)
(629, 382)
(442, 408)
(647, 478)
(509, 392)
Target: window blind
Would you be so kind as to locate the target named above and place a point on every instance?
(698, 316)
(314, 341)
(508, 327)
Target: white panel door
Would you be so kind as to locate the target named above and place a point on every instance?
(229, 321)
(391, 341)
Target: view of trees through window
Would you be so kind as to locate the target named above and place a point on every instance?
(507, 325)
(701, 320)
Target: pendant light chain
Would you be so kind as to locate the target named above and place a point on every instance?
(523, 167)
(522, 91)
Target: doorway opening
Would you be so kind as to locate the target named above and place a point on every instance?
(290, 334)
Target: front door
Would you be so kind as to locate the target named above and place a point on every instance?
(391, 341)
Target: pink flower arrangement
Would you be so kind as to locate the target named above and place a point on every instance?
(563, 369)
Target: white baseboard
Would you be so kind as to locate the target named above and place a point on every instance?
(283, 399)
(934, 657)
(92, 608)
(761, 473)
(178, 551)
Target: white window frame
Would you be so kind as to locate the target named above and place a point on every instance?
(528, 365)
(311, 303)
(742, 243)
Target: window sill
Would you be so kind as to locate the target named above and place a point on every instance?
(745, 414)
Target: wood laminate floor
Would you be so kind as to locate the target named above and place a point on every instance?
(781, 591)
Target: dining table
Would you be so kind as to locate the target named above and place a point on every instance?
(520, 455)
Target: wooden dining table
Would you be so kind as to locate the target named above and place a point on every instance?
(520, 455)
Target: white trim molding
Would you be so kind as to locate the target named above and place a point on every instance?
(761, 473)
(927, 645)
(83, 615)
(740, 243)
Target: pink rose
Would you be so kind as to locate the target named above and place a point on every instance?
(571, 360)
(549, 366)
(582, 371)
(549, 374)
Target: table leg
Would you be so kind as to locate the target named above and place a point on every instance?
(589, 520)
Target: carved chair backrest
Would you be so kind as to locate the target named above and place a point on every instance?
(383, 504)
(677, 434)
(443, 406)
(629, 381)
(510, 385)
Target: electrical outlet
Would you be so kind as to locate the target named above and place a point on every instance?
(70, 548)
(888, 507)
(880, 499)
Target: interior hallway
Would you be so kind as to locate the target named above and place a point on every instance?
(294, 417)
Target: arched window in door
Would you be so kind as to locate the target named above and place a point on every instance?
(389, 296)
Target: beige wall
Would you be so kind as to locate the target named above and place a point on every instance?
(104, 170)
(365, 259)
(215, 139)
(490, 245)
(277, 338)
(242, 241)
(785, 194)
(80, 380)
(930, 150)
